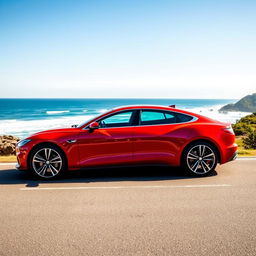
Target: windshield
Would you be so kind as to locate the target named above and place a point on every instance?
(91, 118)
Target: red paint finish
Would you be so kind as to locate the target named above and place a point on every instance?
(135, 143)
(105, 146)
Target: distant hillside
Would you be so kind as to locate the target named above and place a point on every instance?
(246, 104)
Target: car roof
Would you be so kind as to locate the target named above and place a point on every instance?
(154, 107)
(160, 107)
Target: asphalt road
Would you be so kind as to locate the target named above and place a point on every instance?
(129, 211)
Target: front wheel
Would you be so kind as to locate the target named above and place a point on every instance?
(47, 162)
(200, 159)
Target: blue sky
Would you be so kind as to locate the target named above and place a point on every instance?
(165, 49)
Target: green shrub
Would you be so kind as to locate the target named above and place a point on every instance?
(250, 140)
(250, 119)
(245, 125)
(241, 129)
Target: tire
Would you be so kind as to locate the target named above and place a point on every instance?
(47, 162)
(199, 159)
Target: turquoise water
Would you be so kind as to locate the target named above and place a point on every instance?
(22, 117)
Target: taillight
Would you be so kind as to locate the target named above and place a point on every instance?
(228, 129)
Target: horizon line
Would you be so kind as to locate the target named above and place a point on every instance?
(149, 98)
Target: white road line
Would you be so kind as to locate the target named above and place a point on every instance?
(127, 187)
(246, 158)
(7, 164)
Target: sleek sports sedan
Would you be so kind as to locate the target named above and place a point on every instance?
(131, 135)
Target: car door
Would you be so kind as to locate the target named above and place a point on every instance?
(111, 143)
(155, 140)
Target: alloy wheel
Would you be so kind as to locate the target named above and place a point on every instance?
(47, 162)
(201, 159)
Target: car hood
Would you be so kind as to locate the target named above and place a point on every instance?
(53, 132)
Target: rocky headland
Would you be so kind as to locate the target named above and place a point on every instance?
(246, 104)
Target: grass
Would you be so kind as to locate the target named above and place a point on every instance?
(8, 159)
(241, 152)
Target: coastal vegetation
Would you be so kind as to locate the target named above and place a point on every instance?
(242, 151)
(246, 104)
(245, 129)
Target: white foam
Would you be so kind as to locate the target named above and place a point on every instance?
(213, 112)
(57, 112)
(24, 128)
(104, 110)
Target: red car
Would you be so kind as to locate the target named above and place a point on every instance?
(131, 135)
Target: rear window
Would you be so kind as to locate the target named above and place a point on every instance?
(182, 118)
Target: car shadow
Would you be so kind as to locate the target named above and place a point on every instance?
(142, 173)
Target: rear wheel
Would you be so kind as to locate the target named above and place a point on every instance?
(47, 162)
(200, 159)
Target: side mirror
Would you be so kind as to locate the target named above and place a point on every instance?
(94, 125)
(74, 125)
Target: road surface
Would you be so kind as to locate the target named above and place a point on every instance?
(130, 211)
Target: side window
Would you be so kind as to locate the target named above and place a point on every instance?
(170, 118)
(149, 117)
(117, 120)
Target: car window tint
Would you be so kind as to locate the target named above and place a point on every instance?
(156, 117)
(150, 117)
(182, 118)
(167, 115)
(117, 120)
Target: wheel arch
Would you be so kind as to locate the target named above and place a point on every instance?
(46, 144)
(216, 147)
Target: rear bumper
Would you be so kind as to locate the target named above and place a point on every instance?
(229, 154)
(233, 157)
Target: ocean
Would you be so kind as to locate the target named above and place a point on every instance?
(22, 117)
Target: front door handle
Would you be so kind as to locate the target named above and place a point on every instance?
(71, 141)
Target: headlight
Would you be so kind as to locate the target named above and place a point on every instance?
(23, 142)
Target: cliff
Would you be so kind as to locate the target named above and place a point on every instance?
(246, 104)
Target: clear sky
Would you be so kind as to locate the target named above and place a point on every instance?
(166, 49)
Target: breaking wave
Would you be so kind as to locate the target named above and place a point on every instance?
(57, 112)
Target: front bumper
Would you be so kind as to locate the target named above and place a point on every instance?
(17, 166)
(21, 155)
